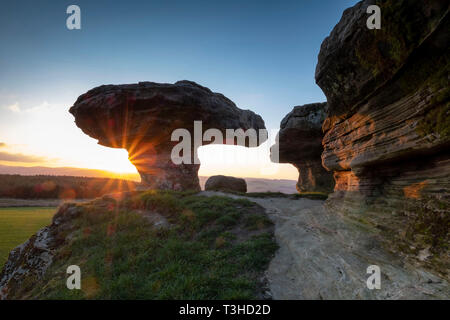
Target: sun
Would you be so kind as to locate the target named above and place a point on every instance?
(112, 160)
(119, 165)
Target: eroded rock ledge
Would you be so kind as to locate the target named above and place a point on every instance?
(387, 134)
(141, 118)
(300, 143)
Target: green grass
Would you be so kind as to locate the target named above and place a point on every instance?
(19, 224)
(215, 248)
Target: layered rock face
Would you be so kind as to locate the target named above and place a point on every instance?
(387, 134)
(225, 183)
(142, 117)
(300, 143)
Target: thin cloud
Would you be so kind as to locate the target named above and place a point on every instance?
(44, 106)
(18, 157)
(14, 108)
(2, 144)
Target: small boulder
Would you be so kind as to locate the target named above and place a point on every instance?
(225, 183)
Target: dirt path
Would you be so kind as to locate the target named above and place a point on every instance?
(323, 257)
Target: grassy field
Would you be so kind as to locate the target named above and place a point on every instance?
(18, 224)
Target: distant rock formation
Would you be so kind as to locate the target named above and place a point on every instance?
(141, 118)
(300, 143)
(225, 183)
(387, 134)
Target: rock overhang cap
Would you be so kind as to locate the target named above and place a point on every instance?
(111, 113)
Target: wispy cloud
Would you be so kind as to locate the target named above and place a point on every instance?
(14, 107)
(44, 106)
(18, 157)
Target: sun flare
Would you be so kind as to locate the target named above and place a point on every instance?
(118, 162)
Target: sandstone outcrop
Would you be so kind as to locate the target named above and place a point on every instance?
(225, 183)
(300, 143)
(387, 134)
(141, 118)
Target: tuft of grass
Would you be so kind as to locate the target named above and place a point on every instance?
(257, 222)
(437, 120)
(430, 226)
(214, 248)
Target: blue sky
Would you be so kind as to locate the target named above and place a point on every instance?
(260, 54)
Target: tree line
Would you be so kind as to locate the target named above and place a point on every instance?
(60, 187)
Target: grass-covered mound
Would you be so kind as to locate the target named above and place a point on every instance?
(156, 245)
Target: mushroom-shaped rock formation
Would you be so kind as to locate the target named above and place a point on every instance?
(142, 117)
(225, 183)
(300, 143)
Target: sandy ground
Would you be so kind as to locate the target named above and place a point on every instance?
(321, 256)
